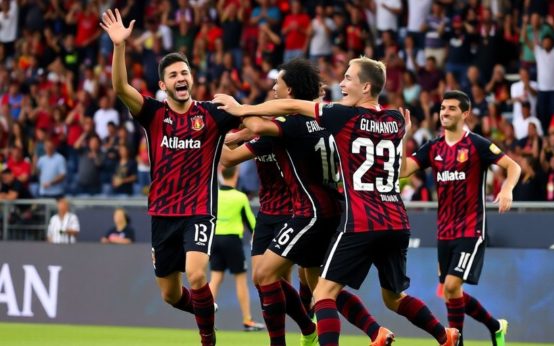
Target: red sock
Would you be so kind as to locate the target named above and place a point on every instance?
(295, 309)
(328, 322)
(456, 311)
(419, 314)
(203, 303)
(273, 308)
(305, 296)
(185, 302)
(354, 310)
(474, 309)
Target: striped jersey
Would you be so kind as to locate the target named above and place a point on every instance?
(460, 172)
(305, 156)
(274, 193)
(369, 144)
(184, 152)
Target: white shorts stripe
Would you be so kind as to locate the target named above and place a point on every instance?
(298, 236)
(475, 249)
(331, 254)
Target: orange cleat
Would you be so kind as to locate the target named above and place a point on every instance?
(384, 338)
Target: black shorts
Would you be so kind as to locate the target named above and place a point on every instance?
(228, 253)
(173, 237)
(304, 241)
(351, 255)
(267, 227)
(461, 257)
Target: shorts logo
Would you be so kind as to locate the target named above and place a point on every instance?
(197, 122)
(463, 155)
(154, 258)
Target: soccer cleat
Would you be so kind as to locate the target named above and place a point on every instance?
(384, 337)
(500, 335)
(310, 339)
(452, 337)
(251, 326)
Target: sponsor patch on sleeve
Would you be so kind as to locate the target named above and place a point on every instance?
(494, 149)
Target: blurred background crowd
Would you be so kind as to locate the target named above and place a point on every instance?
(63, 131)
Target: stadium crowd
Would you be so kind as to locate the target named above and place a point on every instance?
(63, 131)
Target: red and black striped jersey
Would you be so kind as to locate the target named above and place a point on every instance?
(460, 172)
(369, 143)
(305, 156)
(184, 152)
(274, 192)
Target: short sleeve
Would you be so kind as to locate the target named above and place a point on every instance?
(294, 126)
(333, 116)
(421, 156)
(148, 111)
(260, 145)
(73, 223)
(489, 153)
(224, 120)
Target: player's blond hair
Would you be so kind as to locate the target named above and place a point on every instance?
(372, 72)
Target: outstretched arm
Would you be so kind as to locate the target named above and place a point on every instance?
(504, 198)
(232, 157)
(113, 25)
(272, 107)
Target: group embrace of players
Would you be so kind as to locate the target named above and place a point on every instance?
(303, 153)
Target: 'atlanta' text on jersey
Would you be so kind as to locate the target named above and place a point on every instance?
(184, 151)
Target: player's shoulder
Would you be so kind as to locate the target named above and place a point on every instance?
(477, 139)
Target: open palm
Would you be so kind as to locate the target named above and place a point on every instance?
(113, 24)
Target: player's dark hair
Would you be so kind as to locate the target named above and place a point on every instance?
(170, 59)
(302, 77)
(372, 72)
(229, 172)
(465, 103)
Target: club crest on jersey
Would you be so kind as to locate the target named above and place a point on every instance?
(197, 122)
(463, 155)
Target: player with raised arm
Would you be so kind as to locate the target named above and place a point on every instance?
(374, 227)
(185, 139)
(460, 160)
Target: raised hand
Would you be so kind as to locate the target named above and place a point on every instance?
(113, 25)
(407, 119)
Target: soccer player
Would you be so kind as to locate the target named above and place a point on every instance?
(460, 160)
(233, 213)
(374, 227)
(185, 139)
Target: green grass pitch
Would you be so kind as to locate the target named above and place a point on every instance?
(17, 334)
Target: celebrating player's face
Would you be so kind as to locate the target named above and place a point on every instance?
(177, 82)
(351, 87)
(280, 88)
(451, 115)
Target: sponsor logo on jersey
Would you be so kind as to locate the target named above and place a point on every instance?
(176, 143)
(197, 122)
(450, 176)
(494, 149)
(266, 158)
(463, 155)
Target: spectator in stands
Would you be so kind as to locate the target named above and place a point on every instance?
(435, 26)
(531, 185)
(387, 13)
(11, 188)
(51, 168)
(64, 225)
(320, 32)
(20, 166)
(103, 116)
(421, 192)
(532, 29)
(125, 174)
(417, 13)
(121, 233)
(429, 77)
(8, 25)
(525, 90)
(295, 31)
(91, 159)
